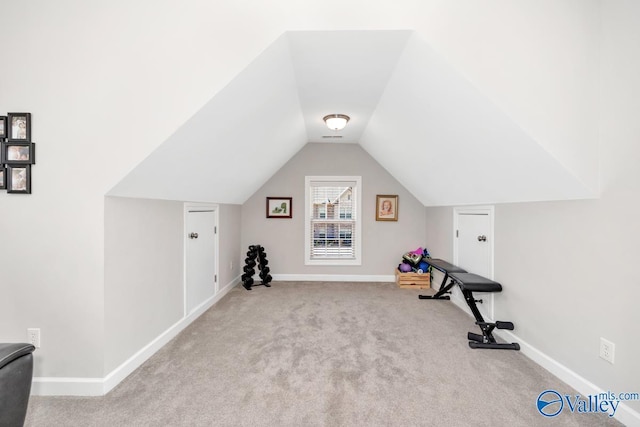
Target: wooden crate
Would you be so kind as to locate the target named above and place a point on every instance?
(413, 280)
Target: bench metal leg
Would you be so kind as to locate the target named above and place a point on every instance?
(444, 289)
(486, 340)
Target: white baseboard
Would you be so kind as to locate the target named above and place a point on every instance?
(58, 386)
(624, 413)
(54, 386)
(334, 277)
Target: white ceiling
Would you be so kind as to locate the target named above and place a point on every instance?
(343, 73)
(415, 114)
(449, 144)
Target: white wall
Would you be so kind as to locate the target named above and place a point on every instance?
(383, 242)
(230, 267)
(144, 286)
(538, 61)
(569, 268)
(451, 134)
(108, 82)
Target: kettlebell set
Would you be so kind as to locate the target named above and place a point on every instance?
(256, 256)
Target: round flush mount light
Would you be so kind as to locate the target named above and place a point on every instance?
(336, 121)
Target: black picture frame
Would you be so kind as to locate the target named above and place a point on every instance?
(19, 127)
(18, 153)
(279, 207)
(18, 179)
(3, 177)
(3, 127)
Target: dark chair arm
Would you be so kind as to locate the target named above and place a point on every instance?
(10, 352)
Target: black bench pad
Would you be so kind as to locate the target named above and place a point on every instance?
(474, 283)
(443, 265)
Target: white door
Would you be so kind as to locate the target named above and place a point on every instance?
(473, 248)
(200, 256)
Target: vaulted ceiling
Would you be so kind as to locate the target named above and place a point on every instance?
(422, 120)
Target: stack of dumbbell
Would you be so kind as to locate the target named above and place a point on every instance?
(249, 271)
(256, 254)
(264, 268)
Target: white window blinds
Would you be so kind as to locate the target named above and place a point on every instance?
(332, 215)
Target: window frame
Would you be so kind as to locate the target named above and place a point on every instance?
(356, 194)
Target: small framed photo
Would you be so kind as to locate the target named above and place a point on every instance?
(279, 207)
(3, 177)
(386, 207)
(19, 127)
(18, 179)
(18, 153)
(3, 127)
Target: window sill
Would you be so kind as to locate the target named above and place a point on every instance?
(332, 262)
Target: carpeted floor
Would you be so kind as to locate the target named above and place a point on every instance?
(323, 354)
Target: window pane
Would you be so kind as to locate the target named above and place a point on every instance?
(332, 239)
(332, 202)
(332, 220)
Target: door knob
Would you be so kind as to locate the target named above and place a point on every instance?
(482, 238)
(193, 235)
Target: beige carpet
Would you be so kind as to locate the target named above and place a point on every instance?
(323, 354)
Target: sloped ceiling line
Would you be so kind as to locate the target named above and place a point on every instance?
(420, 119)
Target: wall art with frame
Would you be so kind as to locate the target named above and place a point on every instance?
(19, 127)
(17, 153)
(3, 127)
(386, 207)
(19, 179)
(279, 207)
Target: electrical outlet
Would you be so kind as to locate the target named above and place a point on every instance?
(33, 336)
(607, 350)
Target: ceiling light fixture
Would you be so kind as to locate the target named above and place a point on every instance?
(336, 121)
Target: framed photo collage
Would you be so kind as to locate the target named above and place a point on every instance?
(17, 153)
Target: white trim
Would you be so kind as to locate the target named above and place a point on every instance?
(488, 210)
(48, 386)
(624, 413)
(134, 362)
(198, 207)
(357, 194)
(334, 278)
(476, 210)
(60, 386)
(53, 386)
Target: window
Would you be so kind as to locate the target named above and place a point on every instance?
(332, 220)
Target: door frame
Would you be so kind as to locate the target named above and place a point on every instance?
(475, 210)
(199, 207)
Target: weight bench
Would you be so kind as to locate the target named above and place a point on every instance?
(446, 268)
(470, 283)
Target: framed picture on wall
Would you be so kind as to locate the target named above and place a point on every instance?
(3, 179)
(18, 179)
(18, 153)
(3, 127)
(279, 207)
(386, 207)
(19, 127)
